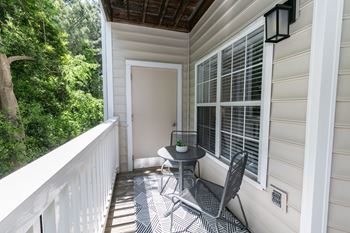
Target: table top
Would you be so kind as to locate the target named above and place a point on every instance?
(170, 153)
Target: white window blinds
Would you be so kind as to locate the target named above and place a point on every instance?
(206, 94)
(241, 80)
(207, 80)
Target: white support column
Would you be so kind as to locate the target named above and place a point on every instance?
(107, 69)
(324, 61)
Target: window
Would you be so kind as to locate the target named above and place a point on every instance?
(206, 128)
(207, 81)
(239, 72)
(241, 75)
(206, 94)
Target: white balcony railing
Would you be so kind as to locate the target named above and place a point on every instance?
(66, 190)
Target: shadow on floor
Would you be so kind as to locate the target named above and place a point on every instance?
(122, 213)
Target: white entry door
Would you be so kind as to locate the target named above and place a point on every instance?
(153, 112)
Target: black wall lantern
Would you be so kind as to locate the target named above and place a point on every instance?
(277, 21)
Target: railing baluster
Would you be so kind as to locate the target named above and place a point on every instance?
(83, 198)
(117, 147)
(94, 191)
(105, 181)
(62, 211)
(49, 219)
(35, 228)
(89, 195)
(108, 169)
(101, 180)
(76, 205)
(98, 187)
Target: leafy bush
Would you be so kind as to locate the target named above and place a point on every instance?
(11, 149)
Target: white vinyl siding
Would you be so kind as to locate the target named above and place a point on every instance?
(239, 103)
(286, 138)
(339, 200)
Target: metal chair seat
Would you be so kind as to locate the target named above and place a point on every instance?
(200, 197)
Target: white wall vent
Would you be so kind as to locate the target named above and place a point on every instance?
(279, 198)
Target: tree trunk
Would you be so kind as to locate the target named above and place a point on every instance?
(8, 101)
(9, 104)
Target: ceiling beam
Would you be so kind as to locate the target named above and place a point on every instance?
(199, 13)
(127, 9)
(145, 4)
(180, 11)
(163, 10)
(177, 9)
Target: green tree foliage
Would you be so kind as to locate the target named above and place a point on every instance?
(81, 21)
(59, 93)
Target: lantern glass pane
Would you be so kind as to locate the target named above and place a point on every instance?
(271, 25)
(283, 15)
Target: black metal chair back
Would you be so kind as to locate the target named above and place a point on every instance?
(234, 178)
(187, 137)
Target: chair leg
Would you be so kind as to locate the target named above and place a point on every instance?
(193, 181)
(161, 179)
(217, 225)
(176, 186)
(199, 170)
(245, 218)
(171, 215)
(163, 186)
(171, 220)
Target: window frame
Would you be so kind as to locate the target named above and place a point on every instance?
(261, 179)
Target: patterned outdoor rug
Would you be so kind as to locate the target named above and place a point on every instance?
(151, 207)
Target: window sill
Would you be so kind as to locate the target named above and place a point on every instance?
(224, 164)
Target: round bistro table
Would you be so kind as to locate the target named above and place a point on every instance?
(192, 154)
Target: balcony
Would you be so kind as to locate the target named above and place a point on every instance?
(287, 104)
(75, 188)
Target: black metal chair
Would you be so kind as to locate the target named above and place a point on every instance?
(188, 138)
(198, 200)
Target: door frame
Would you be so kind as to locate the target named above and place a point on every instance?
(149, 64)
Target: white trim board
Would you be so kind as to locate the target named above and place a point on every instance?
(129, 64)
(324, 62)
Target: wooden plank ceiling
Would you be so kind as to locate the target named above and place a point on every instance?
(175, 15)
